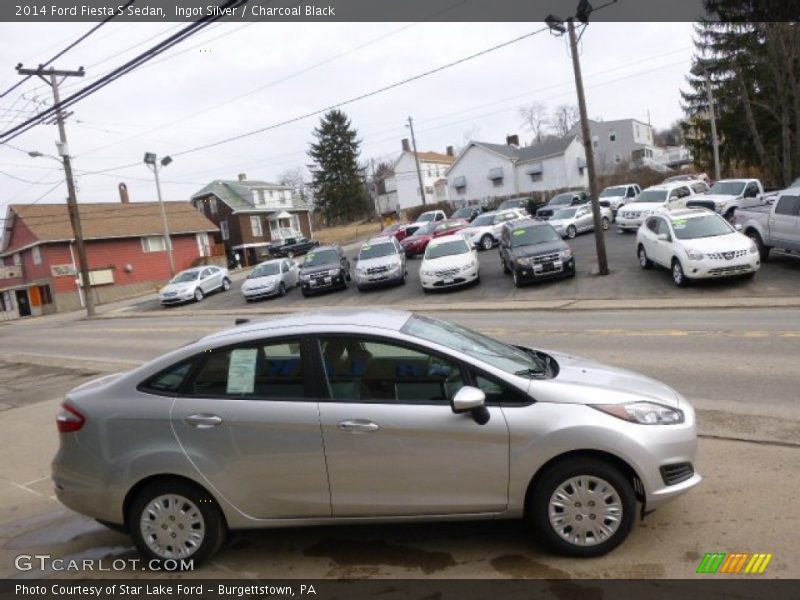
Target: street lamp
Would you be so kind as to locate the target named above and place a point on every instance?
(151, 160)
(701, 69)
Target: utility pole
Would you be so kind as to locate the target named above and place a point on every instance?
(704, 66)
(50, 77)
(556, 26)
(151, 160)
(416, 159)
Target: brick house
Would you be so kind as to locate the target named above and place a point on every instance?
(125, 249)
(251, 214)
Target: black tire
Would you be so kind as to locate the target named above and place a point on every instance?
(487, 242)
(592, 469)
(226, 284)
(212, 520)
(644, 262)
(347, 276)
(198, 295)
(571, 232)
(506, 270)
(517, 280)
(305, 293)
(281, 289)
(678, 276)
(763, 251)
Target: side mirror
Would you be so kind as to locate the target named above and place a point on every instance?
(467, 399)
(663, 237)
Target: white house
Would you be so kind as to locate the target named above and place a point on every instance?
(484, 171)
(402, 189)
(621, 141)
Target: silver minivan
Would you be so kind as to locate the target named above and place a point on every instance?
(367, 416)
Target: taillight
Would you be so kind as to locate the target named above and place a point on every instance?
(69, 419)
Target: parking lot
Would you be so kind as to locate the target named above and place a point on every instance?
(780, 276)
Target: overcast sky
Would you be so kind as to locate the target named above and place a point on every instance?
(188, 96)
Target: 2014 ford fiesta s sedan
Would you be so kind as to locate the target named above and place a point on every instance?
(370, 416)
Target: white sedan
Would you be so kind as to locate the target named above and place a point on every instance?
(449, 261)
(695, 244)
(194, 284)
(270, 278)
(571, 221)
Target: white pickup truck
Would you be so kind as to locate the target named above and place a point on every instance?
(727, 196)
(776, 225)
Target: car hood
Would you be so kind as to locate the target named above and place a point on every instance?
(380, 261)
(537, 249)
(317, 269)
(178, 287)
(642, 206)
(252, 282)
(718, 198)
(612, 384)
(561, 222)
(457, 260)
(415, 239)
(719, 243)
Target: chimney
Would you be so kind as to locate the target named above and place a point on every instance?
(242, 176)
(406, 145)
(123, 193)
(450, 151)
(512, 140)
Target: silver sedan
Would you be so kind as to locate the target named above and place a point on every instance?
(270, 278)
(194, 284)
(369, 416)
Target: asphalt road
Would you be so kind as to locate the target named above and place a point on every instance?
(739, 368)
(780, 276)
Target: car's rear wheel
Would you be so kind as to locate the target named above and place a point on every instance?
(644, 262)
(198, 295)
(487, 242)
(571, 232)
(226, 284)
(678, 276)
(176, 520)
(583, 507)
(281, 289)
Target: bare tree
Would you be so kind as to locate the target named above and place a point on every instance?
(534, 116)
(294, 178)
(565, 116)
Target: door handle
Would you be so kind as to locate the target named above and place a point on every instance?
(203, 421)
(358, 426)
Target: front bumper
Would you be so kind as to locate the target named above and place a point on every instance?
(439, 282)
(629, 223)
(258, 293)
(177, 299)
(716, 269)
(367, 280)
(322, 283)
(528, 273)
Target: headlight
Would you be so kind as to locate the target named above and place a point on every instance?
(644, 413)
(526, 261)
(333, 272)
(468, 267)
(428, 273)
(753, 247)
(565, 254)
(694, 254)
(305, 277)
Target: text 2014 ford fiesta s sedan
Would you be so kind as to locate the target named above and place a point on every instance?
(370, 416)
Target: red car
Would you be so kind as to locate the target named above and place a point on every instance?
(416, 244)
(398, 230)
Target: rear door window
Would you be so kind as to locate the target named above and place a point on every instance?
(788, 205)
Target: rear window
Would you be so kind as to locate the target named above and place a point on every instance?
(169, 381)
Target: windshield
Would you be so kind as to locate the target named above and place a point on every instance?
(728, 188)
(476, 345)
(613, 191)
(324, 257)
(187, 276)
(538, 234)
(265, 270)
(446, 249)
(561, 199)
(376, 250)
(461, 213)
(564, 213)
(425, 217)
(483, 220)
(700, 227)
(425, 229)
(652, 196)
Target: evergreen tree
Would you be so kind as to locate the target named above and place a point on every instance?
(337, 180)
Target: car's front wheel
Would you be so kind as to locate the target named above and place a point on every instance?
(583, 507)
(487, 242)
(226, 284)
(605, 222)
(281, 289)
(174, 520)
(571, 232)
(517, 278)
(198, 295)
(678, 276)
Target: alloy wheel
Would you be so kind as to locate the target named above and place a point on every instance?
(487, 242)
(585, 510)
(571, 232)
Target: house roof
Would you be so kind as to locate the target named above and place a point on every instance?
(525, 153)
(100, 220)
(435, 157)
(237, 194)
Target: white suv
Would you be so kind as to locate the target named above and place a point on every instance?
(695, 244)
(652, 200)
(484, 231)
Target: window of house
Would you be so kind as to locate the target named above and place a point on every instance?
(536, 176)
(17, 259)
(154, 243)
(203, 244)
(612, 136)
(36, 255)
(618, 157)
(212, 205)
(223, 230)
(365, 370)
(428, 189)
(5, 302)
(261, 199)
(45, 295)
(254, 371)
(255, 226)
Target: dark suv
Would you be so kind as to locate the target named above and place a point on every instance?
(325, 268)
(559, 201)
(532, 250)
